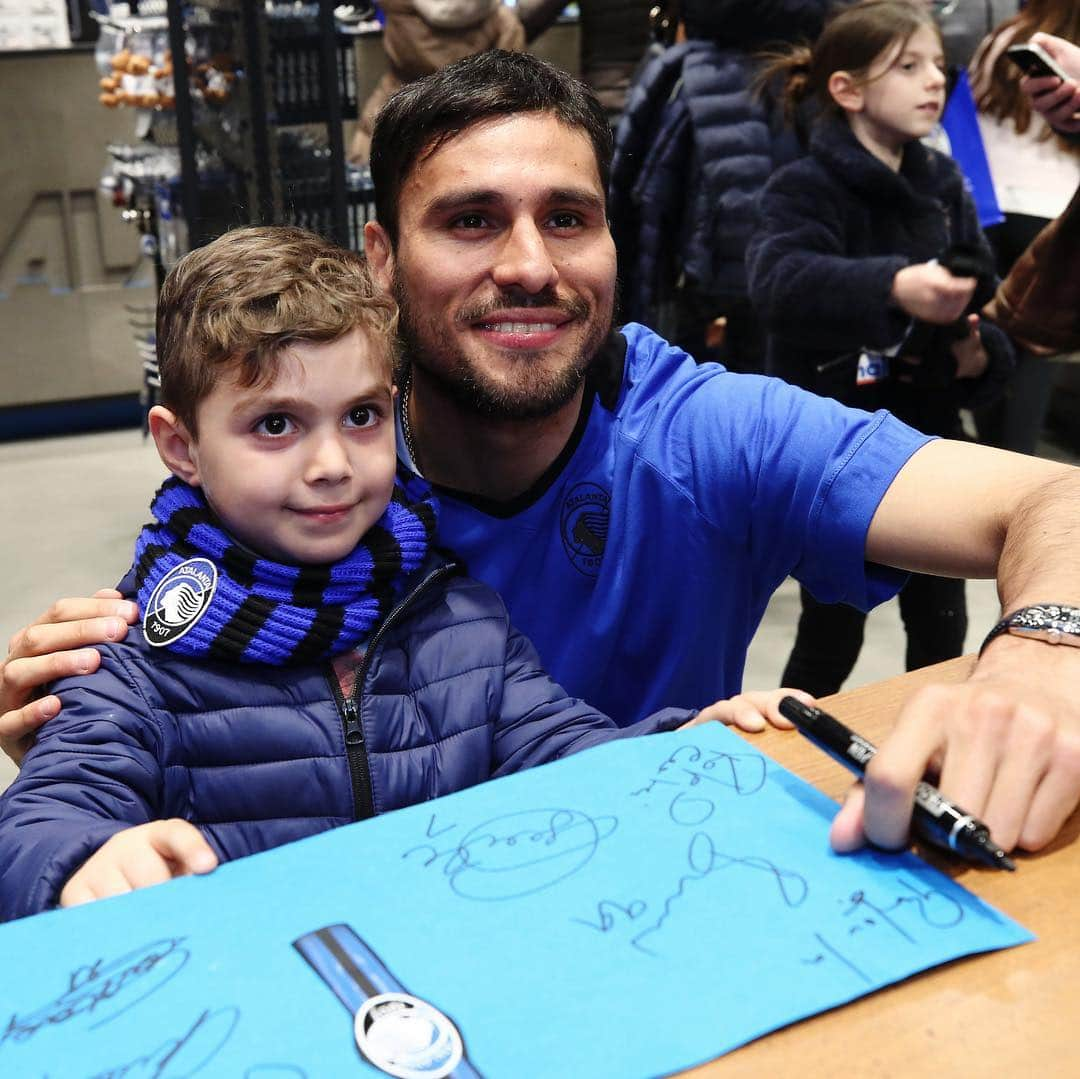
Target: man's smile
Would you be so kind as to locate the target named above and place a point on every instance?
(518, 327)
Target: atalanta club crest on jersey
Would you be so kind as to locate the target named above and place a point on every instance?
(179, 601)
(586, 514)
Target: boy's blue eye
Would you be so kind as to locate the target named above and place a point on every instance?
(275, 424)
(361, 416)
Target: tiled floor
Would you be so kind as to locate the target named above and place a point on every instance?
(74, 505)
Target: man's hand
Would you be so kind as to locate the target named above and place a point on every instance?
(54, 646)
(1005, 746)
(929, 292)
(1059, 102)
(138, 857)
(970, 356)
(751, 710)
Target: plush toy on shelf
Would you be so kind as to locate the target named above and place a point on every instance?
(421, 36)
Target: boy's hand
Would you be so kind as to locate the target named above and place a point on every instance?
(54, 646)
(929, 292)
(970, 356)
(749, 711)
(138, 857)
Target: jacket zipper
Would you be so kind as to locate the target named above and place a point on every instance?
(349, 707)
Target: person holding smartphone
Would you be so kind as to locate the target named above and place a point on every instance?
(1058, 101)
(1038, 304)
(1035, 172)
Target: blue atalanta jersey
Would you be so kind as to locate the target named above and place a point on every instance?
(641, 564)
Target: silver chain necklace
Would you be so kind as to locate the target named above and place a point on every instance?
(406, 430)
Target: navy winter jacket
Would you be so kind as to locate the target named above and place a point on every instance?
(448, 695)
(753, 25)
(693, 150)
(834, 230)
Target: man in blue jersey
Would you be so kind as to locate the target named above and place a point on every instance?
(637, 510)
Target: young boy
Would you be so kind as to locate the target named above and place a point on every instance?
(306, 656)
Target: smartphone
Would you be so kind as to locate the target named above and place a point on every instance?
(1035, 61)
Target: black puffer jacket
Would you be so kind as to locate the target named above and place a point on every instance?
(693, 151)
(835, 227)
(754, 25)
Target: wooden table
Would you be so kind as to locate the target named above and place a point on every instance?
(1013, 1013)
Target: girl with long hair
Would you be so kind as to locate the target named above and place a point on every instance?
(848, 270)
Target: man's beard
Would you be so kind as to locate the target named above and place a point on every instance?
(533, 393)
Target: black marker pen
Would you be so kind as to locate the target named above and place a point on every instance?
(934, 818)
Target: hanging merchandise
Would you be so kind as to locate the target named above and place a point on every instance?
(270, 87)
(142, 178)
(134, 61)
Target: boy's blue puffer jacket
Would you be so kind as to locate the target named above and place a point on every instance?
(449, 695)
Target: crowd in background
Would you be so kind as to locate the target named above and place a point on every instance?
(753, 271)
(711, 100)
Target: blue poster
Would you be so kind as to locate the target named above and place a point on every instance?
(961, 124)
(631, 911)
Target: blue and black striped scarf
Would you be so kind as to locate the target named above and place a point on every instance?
(270, 612)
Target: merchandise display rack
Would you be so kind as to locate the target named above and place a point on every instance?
(270, 87)
(245, 128)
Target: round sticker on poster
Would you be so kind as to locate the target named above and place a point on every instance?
(406, 1037)
(179, 601)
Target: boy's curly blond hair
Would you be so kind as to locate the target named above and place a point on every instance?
(234, 304)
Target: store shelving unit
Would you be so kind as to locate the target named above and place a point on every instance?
(242, 124)
(269, 88)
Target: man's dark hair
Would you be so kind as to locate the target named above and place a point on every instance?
(423, 115)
